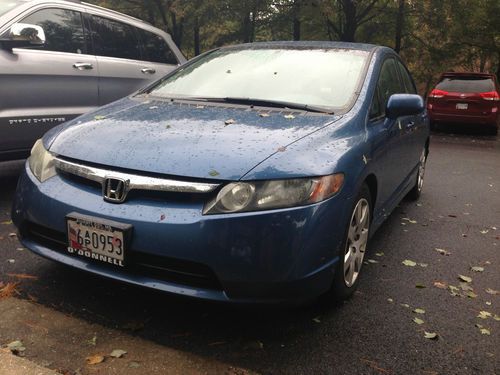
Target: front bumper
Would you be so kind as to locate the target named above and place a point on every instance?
(271, 256)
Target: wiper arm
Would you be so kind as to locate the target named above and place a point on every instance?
(260, 102)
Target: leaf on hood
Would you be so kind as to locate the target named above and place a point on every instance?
(289, 117)
(430, 335)
(491, 291)
(442, 251)
(264, 115)
(466, 279)
(419, 311)
(418, 321)
(484, 315)
(16, 347)
(409, 263)
(477, 269)
(154, 107)
(118, 353)
(95, 359)
(281, 149)
(213, 173)
(229, 122)
(99, 117)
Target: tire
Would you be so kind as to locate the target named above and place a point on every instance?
(416, 191)
(347, 273)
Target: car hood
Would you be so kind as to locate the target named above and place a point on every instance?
(181, 138)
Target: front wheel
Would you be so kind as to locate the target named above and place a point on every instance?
(347, 274)
(416, 191)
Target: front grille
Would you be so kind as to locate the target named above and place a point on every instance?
(138, 263)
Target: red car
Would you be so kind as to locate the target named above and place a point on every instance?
(466, 98)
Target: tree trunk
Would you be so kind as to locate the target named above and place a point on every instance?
(296, 20)
(196, 33)
(350, 26)
(399, 26)
(498, 67)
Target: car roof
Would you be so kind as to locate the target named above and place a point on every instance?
(306, 44)
(467, 74)
(88, 5)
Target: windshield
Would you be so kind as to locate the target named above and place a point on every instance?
(314, 77)
(5, 6)
(466, 84)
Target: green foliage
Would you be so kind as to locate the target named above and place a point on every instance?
(432, 36)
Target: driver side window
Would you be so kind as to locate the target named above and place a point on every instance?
(388, 84)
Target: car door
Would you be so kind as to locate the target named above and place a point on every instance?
(414, 127)
(117, 46)
(49, 84)
(388, 149)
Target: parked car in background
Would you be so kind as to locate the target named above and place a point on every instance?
(466, 98)
(59, 59)
(253, 173)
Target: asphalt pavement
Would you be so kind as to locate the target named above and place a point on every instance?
(64, 316)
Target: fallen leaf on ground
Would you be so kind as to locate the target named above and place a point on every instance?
(419, 311)
(94, 359)
(484, 231)
(16, 347)
(8, 290)
(485, 331)
(217, 343)
(471, 294)
(420, 286)
(484, 314)
(390, 300)
(405, 305)
(418, 321)
(409, 263)
(134, 364)
(22, 276)
(381, 254)
(477, 269)
(12, 235)
(8, 222)
(496, 317)
(465, 287)
(430, 335)
(11, 261)
(466, 279)
(92, 341)
(118, 353)
(442, 251)
(316, 320)
(491, 291)
(440, 285)
(373, 261)
(423, 265)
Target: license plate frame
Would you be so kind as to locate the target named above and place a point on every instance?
(86, 234)
(462, 106)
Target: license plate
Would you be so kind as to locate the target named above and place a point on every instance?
(98, 239)
(462, 106)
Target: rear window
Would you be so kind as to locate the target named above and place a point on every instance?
(466, 84)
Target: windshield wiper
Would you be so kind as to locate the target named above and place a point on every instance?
(260, 102)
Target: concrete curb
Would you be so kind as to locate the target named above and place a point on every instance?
(13, 365)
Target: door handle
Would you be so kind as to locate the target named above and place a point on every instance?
(148, 71)
(83, 66)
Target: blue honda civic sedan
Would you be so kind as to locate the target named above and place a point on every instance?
(254, 173)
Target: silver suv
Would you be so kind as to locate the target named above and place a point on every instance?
(59, 59)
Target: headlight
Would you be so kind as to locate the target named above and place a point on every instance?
(266, 195)
(41, 162)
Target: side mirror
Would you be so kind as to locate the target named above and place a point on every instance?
(400, 105)
(23, 35)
